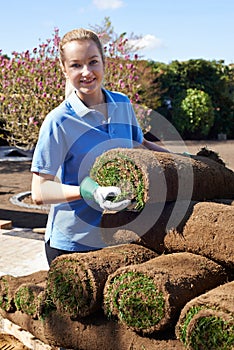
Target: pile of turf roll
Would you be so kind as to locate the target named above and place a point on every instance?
(148, 297)
(76, 281)
(207, 321)
(147, 176)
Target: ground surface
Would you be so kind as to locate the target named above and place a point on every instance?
(15, 177)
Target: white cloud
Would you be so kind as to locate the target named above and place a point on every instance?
(108, 4)
(147, 42)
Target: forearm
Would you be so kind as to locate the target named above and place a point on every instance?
(46, 191)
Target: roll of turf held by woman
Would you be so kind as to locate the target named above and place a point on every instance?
(76, 281)
(207, 322)
(147, 176)
(148, 297)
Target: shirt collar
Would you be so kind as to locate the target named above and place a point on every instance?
(78, 106)
(81, 109)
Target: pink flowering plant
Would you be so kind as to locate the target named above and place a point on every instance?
(32, 84)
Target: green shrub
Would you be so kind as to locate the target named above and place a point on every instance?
(193, 113)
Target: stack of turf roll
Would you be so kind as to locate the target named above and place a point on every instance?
(59, 330)
(76, 281)
(207, 321)
(147, 176)
(148, 297)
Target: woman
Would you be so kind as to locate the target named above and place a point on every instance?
(90, 121)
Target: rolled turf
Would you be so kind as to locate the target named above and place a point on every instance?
(10, 284)
(147, 176)
(200, 227)
(147, 227)
(29, 297)
(207, 322)
(76, 281)
(209, 231)
(148, 297)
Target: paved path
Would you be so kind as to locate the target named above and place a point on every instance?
(21, 252)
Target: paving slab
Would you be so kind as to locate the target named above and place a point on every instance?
(21, 252)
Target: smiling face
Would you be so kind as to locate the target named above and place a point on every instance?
(83, 66)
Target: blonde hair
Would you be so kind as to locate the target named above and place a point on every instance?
(80, 34)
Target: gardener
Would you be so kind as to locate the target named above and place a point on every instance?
(90, 121)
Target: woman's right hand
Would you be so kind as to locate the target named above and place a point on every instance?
(103, 195)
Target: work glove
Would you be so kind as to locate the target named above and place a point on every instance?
(103, 196)
(186, 154)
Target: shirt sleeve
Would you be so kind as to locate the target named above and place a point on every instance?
(51, 147)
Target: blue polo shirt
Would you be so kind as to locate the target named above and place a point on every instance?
(71, 137)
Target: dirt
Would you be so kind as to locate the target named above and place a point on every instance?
(208, 231)
(15, 177)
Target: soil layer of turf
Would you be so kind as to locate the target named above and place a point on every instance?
(202, 227)
(92, 332)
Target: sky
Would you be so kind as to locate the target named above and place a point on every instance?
(170, 29)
